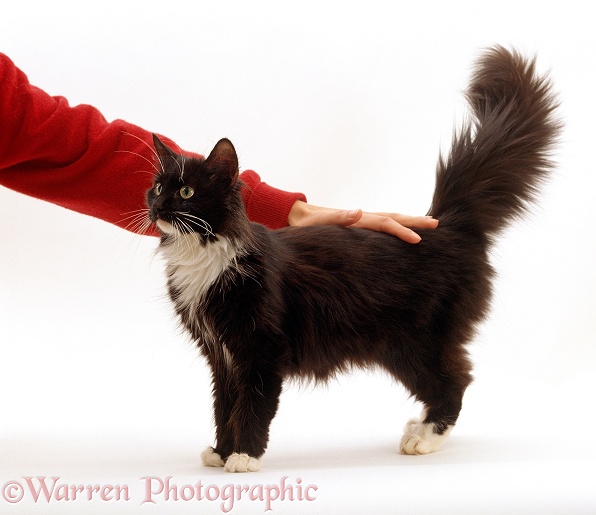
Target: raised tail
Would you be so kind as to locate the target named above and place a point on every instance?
(503, 154)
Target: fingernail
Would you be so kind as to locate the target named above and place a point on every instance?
(352, 213)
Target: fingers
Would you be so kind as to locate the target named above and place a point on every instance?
(383, 223)
(413, 222)
(374, 221)
(419, 222)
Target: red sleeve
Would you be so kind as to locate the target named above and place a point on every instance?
(265, 204)
(71, 156)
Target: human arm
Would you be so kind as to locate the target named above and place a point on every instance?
(75, 158)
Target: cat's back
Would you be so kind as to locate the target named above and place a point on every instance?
(323, 255)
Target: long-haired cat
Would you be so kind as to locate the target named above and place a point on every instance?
(310, 302)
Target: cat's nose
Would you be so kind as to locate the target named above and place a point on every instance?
(157, 211)
(160, 213)
(158, 207)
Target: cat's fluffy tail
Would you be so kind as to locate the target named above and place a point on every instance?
(501, 156)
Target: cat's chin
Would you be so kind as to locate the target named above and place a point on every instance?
(165, 227)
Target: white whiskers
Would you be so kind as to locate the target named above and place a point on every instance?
(152, 163)
(144, 158)
(199, 222)
(180, 165)
(137, 221)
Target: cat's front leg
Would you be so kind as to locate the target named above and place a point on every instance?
(225, 392)
(211, 458)
(259, 389)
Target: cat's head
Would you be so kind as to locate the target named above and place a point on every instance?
(198, 196)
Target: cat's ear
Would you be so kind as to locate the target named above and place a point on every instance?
(164, 153)
(224, 160)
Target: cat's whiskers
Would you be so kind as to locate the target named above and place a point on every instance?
(178, 237)
(136, 211)
(181, 155)
(189, 228)
(138, 221)
(187, 237)
(153, 151)
(182, 169)
(157, 170)
(152, 174)
(143, 226)
(200, 222)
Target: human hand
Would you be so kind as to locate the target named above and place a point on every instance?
(303, 214)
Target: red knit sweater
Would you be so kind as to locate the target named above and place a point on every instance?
(71, 156)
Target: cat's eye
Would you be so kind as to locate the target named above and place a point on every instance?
(186, 192)
(157, 189)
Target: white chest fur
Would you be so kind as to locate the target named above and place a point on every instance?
(193, 268)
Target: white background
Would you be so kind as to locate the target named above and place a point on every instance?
(350, 103)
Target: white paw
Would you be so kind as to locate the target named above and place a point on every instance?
(420, 438)
(211, 459)
(242, 463)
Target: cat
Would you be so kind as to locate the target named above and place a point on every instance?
(311, 302)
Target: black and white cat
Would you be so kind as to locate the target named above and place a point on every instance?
(310, 302)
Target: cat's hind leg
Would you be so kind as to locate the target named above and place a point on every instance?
(442, 400)
(439, 384)
(422, 437)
